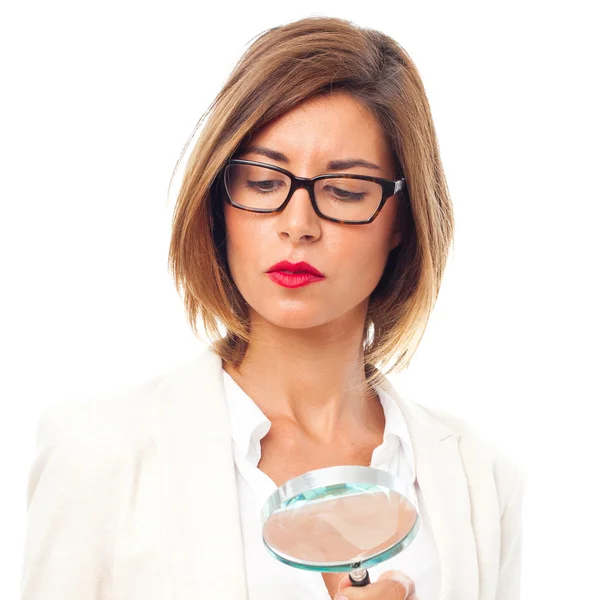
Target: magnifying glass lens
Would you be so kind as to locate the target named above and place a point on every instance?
(340, 525)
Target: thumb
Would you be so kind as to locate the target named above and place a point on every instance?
(344, 583)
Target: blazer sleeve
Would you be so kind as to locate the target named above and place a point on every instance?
(511, 483)
(72, 510)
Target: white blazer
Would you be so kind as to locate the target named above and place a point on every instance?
(124, 504)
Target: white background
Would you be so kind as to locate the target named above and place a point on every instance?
(98, 100)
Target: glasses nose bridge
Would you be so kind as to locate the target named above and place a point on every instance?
(303, 183)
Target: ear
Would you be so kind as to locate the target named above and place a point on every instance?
(395, 240)
(396, 234)
(396, 237)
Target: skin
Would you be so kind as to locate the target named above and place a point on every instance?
(305, 356)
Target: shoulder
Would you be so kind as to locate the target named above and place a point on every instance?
(482, 456)
(104, 420)
(89, 446)
(125, 415)
(126, 418)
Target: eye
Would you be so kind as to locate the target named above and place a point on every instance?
(264, 186)
(342, 194)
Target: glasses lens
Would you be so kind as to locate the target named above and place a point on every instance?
(256, 187)
(348, 199)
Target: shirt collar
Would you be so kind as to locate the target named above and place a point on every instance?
(396, 427)
(249, 424)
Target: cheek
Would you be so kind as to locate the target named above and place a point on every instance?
(242, 236)
(233, 228)
(370, 256)
(365, 250)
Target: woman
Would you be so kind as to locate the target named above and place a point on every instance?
(307, 287)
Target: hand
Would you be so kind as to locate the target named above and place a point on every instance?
(392, 585)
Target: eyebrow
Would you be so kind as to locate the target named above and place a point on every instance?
(332, 165)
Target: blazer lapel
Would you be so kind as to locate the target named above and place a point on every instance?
(199, 495)
(441, 477)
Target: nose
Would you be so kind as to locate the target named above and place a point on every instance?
(298, 221)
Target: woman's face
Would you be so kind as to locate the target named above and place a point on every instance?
(351, 257)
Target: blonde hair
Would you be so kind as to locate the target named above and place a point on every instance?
(284, 66)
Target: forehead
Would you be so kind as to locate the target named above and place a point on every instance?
(324, 127)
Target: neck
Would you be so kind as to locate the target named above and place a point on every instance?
(311, 378)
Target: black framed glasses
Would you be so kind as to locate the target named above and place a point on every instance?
(342, 198)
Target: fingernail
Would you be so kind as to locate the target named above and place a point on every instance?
(338, 597)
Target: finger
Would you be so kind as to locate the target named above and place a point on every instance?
(344, 583)
(403, 578)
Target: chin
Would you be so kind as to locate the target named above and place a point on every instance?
(307, 314)
(294, 320)
(296, 317)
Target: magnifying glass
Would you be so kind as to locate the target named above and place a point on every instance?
(339, 519)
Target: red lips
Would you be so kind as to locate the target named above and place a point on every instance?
(301, 267)
(289, 275)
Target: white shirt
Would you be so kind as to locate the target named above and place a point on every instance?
(269, 579)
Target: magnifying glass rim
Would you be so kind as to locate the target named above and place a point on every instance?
(336, 475)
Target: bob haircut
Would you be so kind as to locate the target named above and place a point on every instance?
(284, 66)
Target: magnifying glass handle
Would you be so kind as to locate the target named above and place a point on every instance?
(359, 577)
